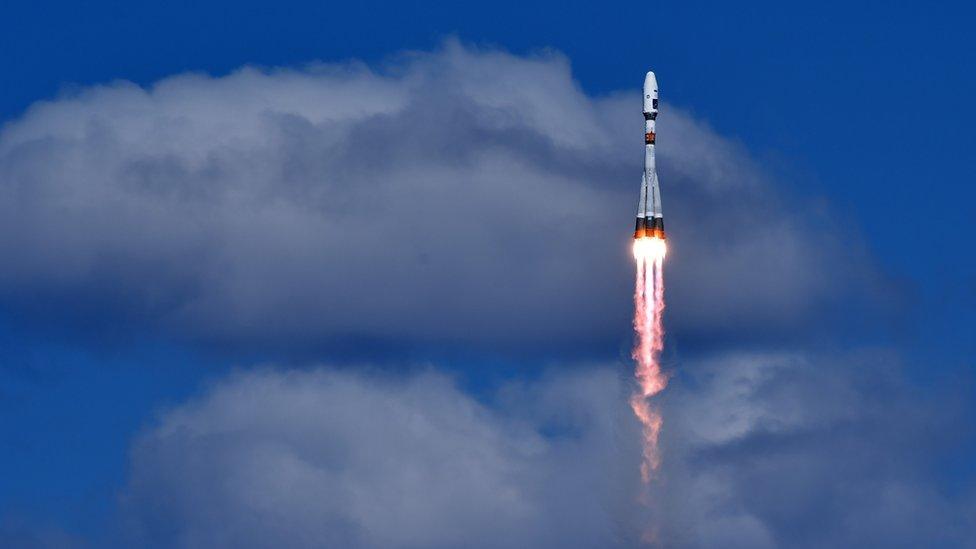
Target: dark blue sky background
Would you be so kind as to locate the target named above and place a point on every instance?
(869, 105)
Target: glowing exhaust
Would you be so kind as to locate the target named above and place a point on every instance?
(649, 328)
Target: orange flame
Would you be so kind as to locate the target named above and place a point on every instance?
(649, 327)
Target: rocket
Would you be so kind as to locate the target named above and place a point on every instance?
(650, 219)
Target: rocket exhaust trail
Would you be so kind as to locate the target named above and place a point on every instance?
(649, 329)
(650, 248)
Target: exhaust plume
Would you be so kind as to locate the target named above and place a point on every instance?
(649, 328)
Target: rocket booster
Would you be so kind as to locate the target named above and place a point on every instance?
(650, 219)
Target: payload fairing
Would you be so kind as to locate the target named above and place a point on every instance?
(650, 219)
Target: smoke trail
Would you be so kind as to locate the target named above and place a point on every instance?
(649, 327)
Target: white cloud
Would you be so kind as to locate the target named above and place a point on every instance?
(462, 197)
(759, 451)
(804, 450)
(324, 458)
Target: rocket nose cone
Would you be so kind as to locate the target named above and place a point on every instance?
(650, 83)
(650, 95)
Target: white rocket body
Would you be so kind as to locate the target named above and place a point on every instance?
(650, 218)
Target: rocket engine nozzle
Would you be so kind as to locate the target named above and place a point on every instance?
(641, 230)
(650, 228)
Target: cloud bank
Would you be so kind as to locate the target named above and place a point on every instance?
(761, 451)
(795, 450)
(461, 197)
(336, 459)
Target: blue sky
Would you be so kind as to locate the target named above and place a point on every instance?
(857, 118)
